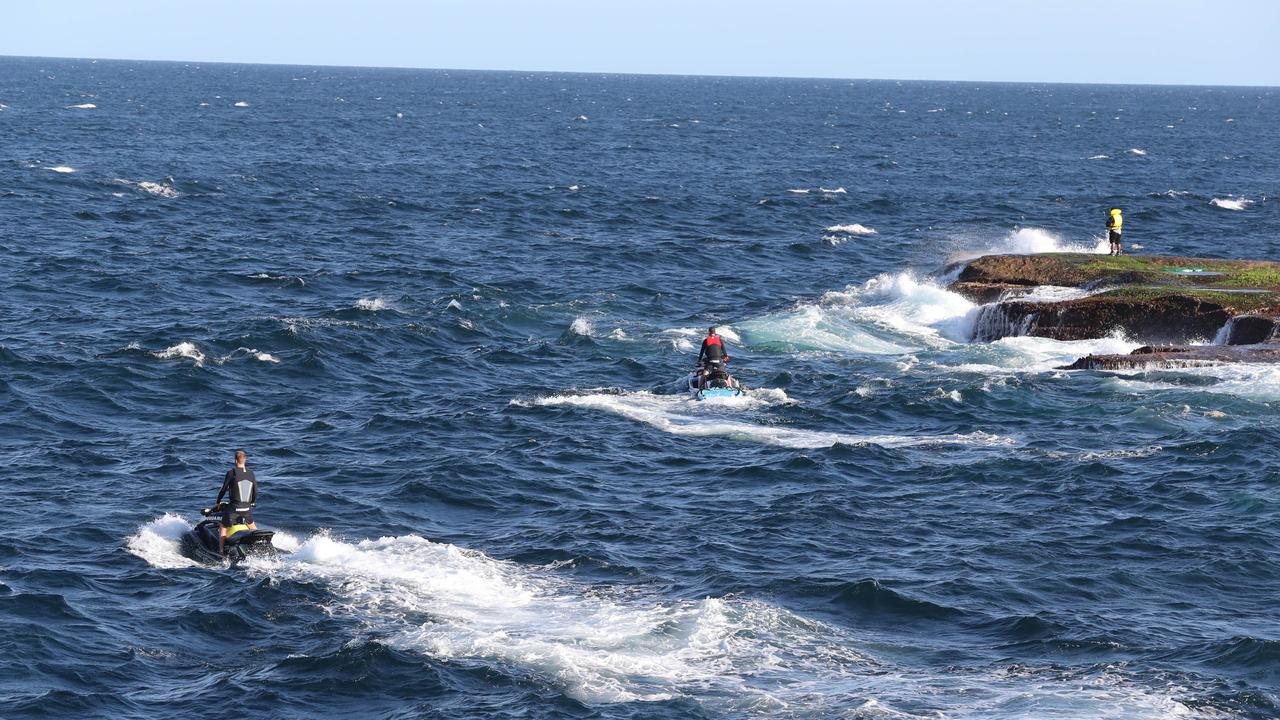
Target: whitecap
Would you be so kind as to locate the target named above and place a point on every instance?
(371, 304)
(158, 189)
(799, 191)
(182, 350)
(241, 104)
(82, 106)
(1230, 203)
(581, 326)
(832, 191)
(61, 169)
(1137, 151)
(854, 229)
(1099, 157)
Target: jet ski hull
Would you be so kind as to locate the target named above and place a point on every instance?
(200, 543)
(721, 385)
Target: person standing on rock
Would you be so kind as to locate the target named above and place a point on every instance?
(1114, 221)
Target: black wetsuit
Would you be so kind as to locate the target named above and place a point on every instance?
(241, 489)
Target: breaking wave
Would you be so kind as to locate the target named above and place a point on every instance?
(854, 229)
(1230, 203)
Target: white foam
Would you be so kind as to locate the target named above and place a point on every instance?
(854, 229)
(1230, 203)
(581, 326)
(82, 106)
(157, 542)
(242, 103)
(1137, 151)
(1053, 293)
(182, 350)
(282, 278)
(158, 189)
(371, 304)
(1258, 382)
(250, 352)
(679, 415)
(799, 191)
(833, 191)
(1099, 157)
(61, 169)
(605, 644)
(1033, 241)
(1027, 354)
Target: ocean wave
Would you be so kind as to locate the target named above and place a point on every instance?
(191, 351)
(1099, 157)
(1032, 241)
(242, 104)
(158, 189)
(581, 326)
(1136, 151)
(61, 169)
(371, 304)
(1230, 203)
(890, 314)
(182, 350)
(283, 279)
(82, 106)
(853, 229)
(833, 191)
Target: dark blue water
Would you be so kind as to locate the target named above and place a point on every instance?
(446, 313)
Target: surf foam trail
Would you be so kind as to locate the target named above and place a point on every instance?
(680, 416)
(602, 645)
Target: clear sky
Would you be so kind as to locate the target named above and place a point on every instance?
(1123, 41)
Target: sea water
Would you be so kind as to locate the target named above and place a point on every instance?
(448, 314)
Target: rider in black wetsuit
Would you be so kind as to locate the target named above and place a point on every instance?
(713, 349)
(241, 488)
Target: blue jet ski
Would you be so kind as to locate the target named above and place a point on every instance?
(714, 381)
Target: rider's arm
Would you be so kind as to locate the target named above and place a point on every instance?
(226, 485)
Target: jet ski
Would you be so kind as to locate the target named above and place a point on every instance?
(201, 542)
(717, 383)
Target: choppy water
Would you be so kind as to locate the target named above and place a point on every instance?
(444, 312)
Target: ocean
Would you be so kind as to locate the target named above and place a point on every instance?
(448, 315)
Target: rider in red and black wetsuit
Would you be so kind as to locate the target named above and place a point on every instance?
(713, 348)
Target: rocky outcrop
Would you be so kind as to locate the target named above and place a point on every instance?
(1157, 299)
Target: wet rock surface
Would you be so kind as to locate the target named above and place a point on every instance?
(1170, 302)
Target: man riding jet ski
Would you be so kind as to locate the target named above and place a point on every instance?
(235, 536)
(712, 378)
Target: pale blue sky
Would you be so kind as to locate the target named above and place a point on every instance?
(1136, 41)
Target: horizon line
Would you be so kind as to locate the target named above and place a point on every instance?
(630, 73)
